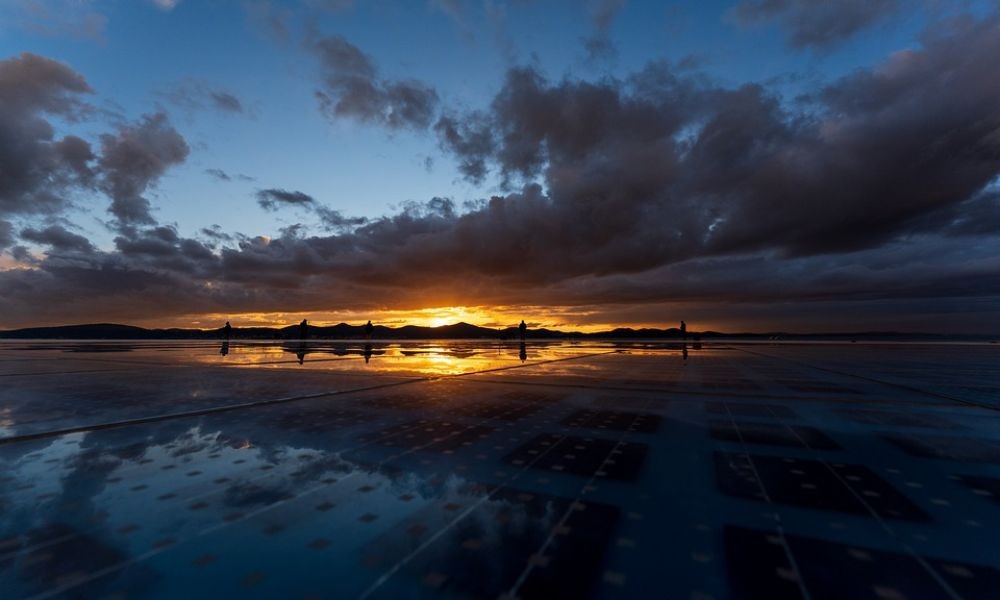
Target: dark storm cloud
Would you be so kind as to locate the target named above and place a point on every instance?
(162, 273)
(665, 165)
(162, 249)
(64, 290)
(470, 138)
(352, 89)
(274, 199)
(133, 159)
(58, 238)
(38, 169)
(41, 173)
(812, 24)
(919, 267)
(30, 83)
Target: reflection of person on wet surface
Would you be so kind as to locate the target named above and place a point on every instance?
(524, 352)
(303, 335)
(368, 353)
(227, 332)
(684, 330)
(685, 351)
(522, 328)
(369, 328)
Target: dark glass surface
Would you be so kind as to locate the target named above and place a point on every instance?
(461, 469)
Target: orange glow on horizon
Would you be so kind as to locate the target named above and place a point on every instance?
(559, 318)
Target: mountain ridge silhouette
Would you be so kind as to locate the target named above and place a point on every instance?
(460, 330)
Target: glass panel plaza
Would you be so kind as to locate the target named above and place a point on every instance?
(466, 469)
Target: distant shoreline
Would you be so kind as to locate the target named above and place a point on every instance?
(514, 343)
(460, 332)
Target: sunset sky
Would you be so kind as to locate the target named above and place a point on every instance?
(749, 165)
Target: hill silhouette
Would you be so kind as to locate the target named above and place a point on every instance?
(456, 331)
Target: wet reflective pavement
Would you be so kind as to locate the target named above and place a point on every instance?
(467, 469)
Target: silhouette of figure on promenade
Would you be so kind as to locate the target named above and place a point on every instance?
(368, 352)
(369, 328)
(684, 330)
(303, 330)
(227, 330)
(524, 352)
(522, 329)
(225, 347)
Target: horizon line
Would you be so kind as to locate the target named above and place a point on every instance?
(690, 332)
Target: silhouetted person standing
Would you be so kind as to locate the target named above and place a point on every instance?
(522, 329)
(369, 328)
(684, 330)
(303, 347)
(227, 330)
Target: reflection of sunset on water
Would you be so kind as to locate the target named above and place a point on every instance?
(391, 358)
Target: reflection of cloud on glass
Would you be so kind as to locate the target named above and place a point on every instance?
(481, 554)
